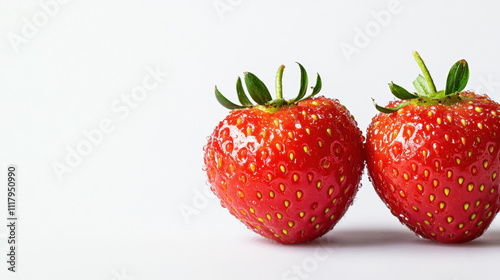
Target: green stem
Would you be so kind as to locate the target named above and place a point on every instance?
(427, 75)
(279, 83)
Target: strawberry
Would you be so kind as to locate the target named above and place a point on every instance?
(433, 157)
(287, 169)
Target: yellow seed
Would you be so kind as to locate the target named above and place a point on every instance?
(431, 197)
(301, 214)
(260, 220)
(439, 120)
(481, 188)
(420, 188)
(282, 168)
(463, 140)
(269, 176)
(320, 143)
(426, 173)
(446, 191)
(424, 152)
(306, 149)
(429, 114)
(278, 146)
(315, 103)
(494, 113)
(435, 183)
(478, 140)
(316, 226)
(494, 175)
(427, 222)
(252, 210)
(243, 212)
(466, 232)
(406, 176)
(314, 117)
(460, 180)
(441, 228)
(485, 164)
(330, 191)
(299, 194)
(486, 206)
(264, 134)
(464, 123)
(295, 177)
(271, 194)
(491, 149)
(492, 190)
(446, 137)
(331, 217)
(429, 214)
(290, 134)
(291, 156)
(480, 223)
(478, 109)
(259, 194)
(329, 131)
(287, 203)
(449, 173)
(395, 172)
(304, 112)
(249, 131)
(285, 232)
(318, 185)
(442, 205)
(489, 214)
(470, 187)
(469, 154)
(414, 167)
(480, 125)
(473, 216)
(276, 122)
(313, 218)
(290, 224)
(458, 161)
(282, 187)
(326, 210)
(252, 167)
(409, 133)
(415, 208)
(268, 216)
(239, 121)
(241, 194)
(342, 178)
(477, 203)
(460, 225)
(449, 118)
(466, 206)
(402, 194)
(428, 127)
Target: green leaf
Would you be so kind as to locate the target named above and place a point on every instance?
(257, 89)
(242, 97)
(421, 86)
(224, 102)
(438, 95)
(457, 77)
(400, 92)
(303, 83)
(389, 110)
(317, 87)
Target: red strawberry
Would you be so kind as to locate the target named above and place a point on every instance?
(434, 157)
(287, 169)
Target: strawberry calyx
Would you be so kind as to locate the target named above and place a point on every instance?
(259, 93)
(426, 93)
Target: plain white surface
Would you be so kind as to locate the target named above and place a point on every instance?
(117, 214)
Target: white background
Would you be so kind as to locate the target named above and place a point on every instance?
(117, 215)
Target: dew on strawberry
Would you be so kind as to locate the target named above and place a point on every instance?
(287, 169)
(433, 157)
